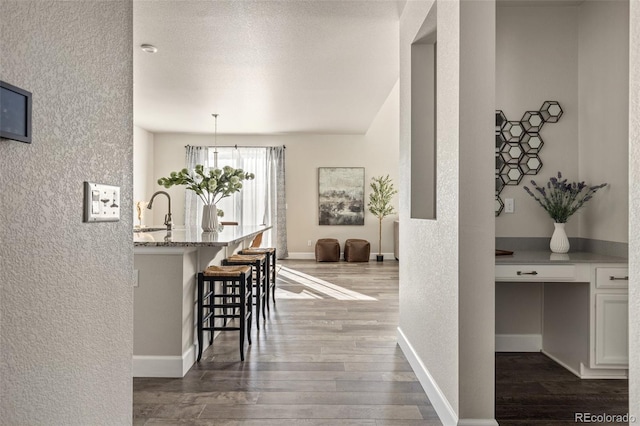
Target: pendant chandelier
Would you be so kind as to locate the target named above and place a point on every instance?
(215, 142)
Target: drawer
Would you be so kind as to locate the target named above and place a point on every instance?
(535, 272)
(607, 277)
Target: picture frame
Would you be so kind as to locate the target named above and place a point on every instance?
(341, 196)
(15, 113)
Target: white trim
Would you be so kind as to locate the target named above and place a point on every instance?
(518, 342)
(163, 366)
(303, 255)
(602, 373)
(477, 422)
(189, 358)
(571, 369)
(591, 373)
(445, 412)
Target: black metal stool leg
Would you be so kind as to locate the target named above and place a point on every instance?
(248, 301)
(199, 313)
(243, 306)
(273, 277)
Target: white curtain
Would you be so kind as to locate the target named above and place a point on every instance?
(261, 200)
(193, 203)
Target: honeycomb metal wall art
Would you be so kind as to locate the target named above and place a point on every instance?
(518, 146)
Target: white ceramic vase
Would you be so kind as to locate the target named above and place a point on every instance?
(209, 218)
(559, 240)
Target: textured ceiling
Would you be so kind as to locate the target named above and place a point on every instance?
(264, 66)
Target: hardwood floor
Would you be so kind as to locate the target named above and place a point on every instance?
(531, 389)
(327, 355)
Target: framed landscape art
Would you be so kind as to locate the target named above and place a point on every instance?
(341, 195)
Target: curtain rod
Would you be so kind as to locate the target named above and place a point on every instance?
(236, 146)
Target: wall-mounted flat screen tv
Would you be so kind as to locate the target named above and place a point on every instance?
(15, 113)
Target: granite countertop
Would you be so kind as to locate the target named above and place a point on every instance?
(546, 257)
(194, 237)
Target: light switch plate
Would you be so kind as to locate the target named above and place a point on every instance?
(509, 205)
(101, 202)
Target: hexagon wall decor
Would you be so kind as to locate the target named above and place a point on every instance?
(499, 184)
(531, 164)
(531, 143)
(499, 164)
(518, 145)
(532, 121)
(513, 131)
(511, 152)
(501, 120)
(499, 205)
(551, 111)
(512, 174)
(500, 141)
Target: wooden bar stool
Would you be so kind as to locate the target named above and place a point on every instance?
(230, 299)
(259, 264)
(270, 252)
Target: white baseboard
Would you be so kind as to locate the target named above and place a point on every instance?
(438, 400)
(189, 358)
(518, 342)
(445, 411)
(477, 422)
(163, 366)
(303, 255)
(603, 373)
(568, 367)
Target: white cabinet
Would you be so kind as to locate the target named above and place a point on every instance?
(584, 314)
(612, 330)
(610, 338)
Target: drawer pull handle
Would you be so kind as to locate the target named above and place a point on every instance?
(612, 278)
(527, 273)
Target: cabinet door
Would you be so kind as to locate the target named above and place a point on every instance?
(612, 329)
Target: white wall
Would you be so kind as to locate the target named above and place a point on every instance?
(577, 55)
(537, 60)
(634, 209)
(476, 239)
(446, 274)
(604, 117)
(66, 333)
(143, 183)
(376, 151)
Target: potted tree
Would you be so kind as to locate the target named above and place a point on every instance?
(379, 205)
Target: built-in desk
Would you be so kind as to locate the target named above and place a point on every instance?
(163, 315)
(583, 310)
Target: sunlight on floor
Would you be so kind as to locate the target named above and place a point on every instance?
(316, 285)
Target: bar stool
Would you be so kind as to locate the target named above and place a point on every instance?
(270, 252)
(259, 264)
(231, 299)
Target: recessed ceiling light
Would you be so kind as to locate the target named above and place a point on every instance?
(149, 48)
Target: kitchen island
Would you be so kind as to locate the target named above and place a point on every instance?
(165, 265)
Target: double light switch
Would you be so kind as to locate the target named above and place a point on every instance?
(101, 202)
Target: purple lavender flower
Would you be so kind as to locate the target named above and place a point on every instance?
(562, 198)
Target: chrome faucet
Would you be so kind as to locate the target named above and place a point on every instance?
(167, 217)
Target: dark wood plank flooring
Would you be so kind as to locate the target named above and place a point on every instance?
(327, 355)
(531, 389)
